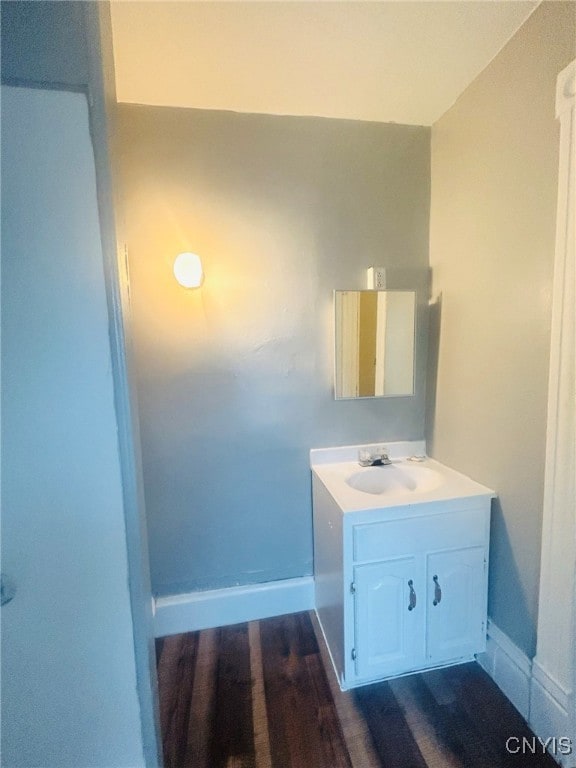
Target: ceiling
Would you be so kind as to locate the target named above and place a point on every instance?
(390, 61)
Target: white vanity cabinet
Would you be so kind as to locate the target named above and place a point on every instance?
(400, 588)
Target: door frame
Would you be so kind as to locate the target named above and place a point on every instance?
(553, 684)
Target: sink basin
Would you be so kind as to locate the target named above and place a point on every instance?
(393, 479)
(403, 483)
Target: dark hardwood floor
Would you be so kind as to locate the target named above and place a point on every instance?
(262, 695)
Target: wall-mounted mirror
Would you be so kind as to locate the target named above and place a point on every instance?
(374, 334)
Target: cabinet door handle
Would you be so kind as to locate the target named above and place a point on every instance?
(437, 591)
(412, 603)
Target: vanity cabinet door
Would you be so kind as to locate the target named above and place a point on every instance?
(389, 606)
(456, 604)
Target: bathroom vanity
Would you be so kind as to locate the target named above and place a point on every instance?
(400, 563)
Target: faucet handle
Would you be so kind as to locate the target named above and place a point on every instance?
(375, 455)
(365, 457)
(382, 455)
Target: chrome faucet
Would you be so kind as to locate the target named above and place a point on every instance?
(373, 458)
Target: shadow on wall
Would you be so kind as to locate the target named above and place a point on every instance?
(507, 591)
(434, 325)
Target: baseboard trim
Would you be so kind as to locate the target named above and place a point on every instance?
(549, 708)
(541, 676)
(192, 611)
(509, 667)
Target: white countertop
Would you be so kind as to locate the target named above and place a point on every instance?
(334, 466)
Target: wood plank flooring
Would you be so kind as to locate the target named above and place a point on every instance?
(261, 695)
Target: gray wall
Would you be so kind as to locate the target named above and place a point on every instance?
(235, 379)
(494, 188)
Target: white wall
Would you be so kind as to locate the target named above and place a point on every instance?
(69, 688)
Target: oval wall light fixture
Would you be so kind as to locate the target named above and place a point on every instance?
(188, 270)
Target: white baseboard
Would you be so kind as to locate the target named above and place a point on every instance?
(549, 708)
(509, 667)
(191, 611)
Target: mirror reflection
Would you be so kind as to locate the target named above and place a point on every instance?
(374, 334)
